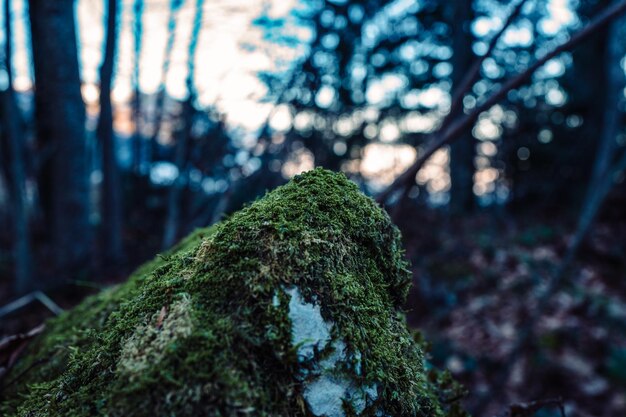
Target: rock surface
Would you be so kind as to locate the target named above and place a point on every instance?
(291, 307)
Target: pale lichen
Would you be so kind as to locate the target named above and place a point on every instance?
(149, 342)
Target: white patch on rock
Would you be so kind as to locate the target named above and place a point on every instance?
(324, 396)
(326, 388)
(337, 355)
(308, 329)
(371, 391)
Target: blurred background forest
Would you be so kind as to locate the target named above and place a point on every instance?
(492, 131)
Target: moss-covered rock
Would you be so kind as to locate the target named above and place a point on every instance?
(291, 307)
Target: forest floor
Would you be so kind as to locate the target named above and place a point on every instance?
(476, 282)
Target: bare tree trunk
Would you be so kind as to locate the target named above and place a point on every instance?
(15, 149)
(602, 178)
(614, 82)
(111, 206)
(462, 152)
(137, 139)
(60, 115)
(172, 223)
(158, 109)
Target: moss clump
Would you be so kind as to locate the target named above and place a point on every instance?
(291, 307)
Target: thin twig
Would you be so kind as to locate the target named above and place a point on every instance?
(530, 408)
(29, 298)
(454, 131)
(47, 301)
(11, 348)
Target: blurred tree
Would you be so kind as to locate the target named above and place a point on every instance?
(613, 107)
(111, 204)
(329, 86)
(136, 103)
(60, 116)
(449, 133)
(183, 138)
(212, 155)
(13, 144)
(549, 155)
(606, 163)
(463, 151)
(174, 7)
(369, 65)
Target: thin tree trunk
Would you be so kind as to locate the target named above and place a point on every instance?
(60, 116)
(173, 220)
(158, 109)
(614, 82)
(15, 146)
(137, 139)
(111, 206)
(602, 178)
(462, 152)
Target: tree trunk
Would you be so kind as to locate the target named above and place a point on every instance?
(15, 151)
(602, 179)
(60, 115)
(137, 139)
(172, 223)
(462, 151)
(158, 108)
(111, 191)
(614, 82)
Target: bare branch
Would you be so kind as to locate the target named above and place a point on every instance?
(29, 298)
(529, 409)
(443, 137)
(473, 74)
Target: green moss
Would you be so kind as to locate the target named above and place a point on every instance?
(206, 329)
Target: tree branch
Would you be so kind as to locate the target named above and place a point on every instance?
(473, 74)
(445, 136)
